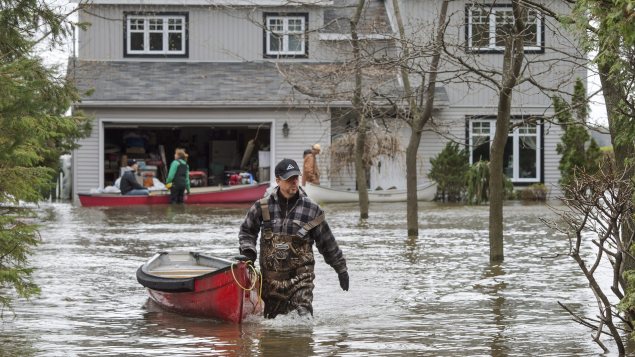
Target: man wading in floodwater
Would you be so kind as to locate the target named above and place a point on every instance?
(290, 222)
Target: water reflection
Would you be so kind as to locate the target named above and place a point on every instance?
(195, 334)
(432, 295)
(493, 284)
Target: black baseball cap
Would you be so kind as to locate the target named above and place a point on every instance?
(287, 168)
(131, 162)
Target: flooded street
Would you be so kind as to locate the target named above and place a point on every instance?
(436, 295)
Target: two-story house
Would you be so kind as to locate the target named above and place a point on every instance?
(209, 76)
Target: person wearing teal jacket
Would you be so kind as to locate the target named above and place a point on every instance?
(178, 180)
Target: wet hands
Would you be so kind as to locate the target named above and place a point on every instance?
(343, 277)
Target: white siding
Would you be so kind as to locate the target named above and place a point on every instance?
(552, 134)
(552, 69)
(216, 34)
(85, 163)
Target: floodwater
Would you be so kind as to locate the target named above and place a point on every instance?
(432, 296)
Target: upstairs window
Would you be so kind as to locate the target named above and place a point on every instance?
(156, 34)
(522, 159)
(285, 35)
(488, 27)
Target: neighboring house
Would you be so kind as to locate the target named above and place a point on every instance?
(212, 75)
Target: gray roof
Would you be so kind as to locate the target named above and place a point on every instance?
(236, 84)
(131, 81)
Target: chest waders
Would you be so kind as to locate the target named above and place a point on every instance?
(287, 266)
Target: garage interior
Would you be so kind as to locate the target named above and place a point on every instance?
(216, 152)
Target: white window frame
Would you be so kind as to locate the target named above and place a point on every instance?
(165, 31)
(538, 46)
(516, 134)
(285, 35)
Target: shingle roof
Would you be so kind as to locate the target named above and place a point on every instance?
(238, 84)
(131, 81)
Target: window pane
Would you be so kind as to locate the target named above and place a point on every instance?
(295, 25)
(175, 41)
(175, 24)
(480, 28)
(136, 24)
(136, 41)
(531, 30)
(527, 129)
(481, 127)
(275, 43)
(276, 25)
(508, 158)
(295, 43)
(480, 36)
(527, 157)
(155, 24)
(481, 148)
(504, 26)
(156, 42)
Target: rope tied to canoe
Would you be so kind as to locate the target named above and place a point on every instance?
(254, 276)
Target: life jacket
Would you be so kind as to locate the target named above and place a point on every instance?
(179, 180)
(287, 265)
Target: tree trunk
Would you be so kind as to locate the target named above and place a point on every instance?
(512, 63)
(496, 186)
(360, 167)
(419, 116)
(411, 184)
(362, 125)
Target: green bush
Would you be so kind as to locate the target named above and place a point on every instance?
(449, 170)
(477, 181)
(535, 192)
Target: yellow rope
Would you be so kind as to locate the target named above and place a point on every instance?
(238, 283)
(256, 276)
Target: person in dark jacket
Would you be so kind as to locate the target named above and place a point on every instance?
(289, 223)
(128, 184)
(178, 180)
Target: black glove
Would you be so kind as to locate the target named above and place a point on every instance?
(249, 254)
(343, 276)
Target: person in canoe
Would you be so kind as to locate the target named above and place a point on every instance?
(178, 180)
(289, 223)
(128, 184)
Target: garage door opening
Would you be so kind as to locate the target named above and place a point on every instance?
(216, 152)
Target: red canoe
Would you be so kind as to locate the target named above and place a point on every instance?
(199, 195)
(202, 286)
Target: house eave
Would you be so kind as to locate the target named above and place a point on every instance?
(247, 3)
(87, 104)
(348, 37)
(206, 105)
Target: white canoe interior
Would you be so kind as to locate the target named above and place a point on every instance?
(183, 265)
(181, 271)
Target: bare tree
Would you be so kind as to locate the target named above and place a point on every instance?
(419, 112)
(596, 208)
(362, 125)
(518, 68)
(366, 76)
